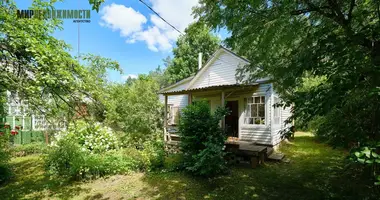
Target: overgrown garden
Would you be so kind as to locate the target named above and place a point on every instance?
(322, 55)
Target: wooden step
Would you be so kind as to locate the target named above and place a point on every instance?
(269, 151)
(276, 156)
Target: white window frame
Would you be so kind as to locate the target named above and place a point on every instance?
(263, 100)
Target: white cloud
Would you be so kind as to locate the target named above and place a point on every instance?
(178, 13)
(123, 19)
(125, 77)
(157, 35)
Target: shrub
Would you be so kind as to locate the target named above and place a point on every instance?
(71, 157)
(153, 154)
(64, 159)
(70, 160)
(202, 140)
(173, 162)
(137, 110)
(31, 148)
(5, 171)
(91, 136)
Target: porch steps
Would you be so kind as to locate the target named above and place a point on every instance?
(274, 156)
(269, 151)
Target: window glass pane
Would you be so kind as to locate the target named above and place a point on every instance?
(254, 110)
(262, 120)
(257, 120)
(261, 110)
(250, 100)
(262, 99)
(257, 99)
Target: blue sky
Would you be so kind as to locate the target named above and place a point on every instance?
(126, 31)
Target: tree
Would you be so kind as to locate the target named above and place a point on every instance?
(197, 39)
(338, 41)
(135, 108)
(160, 76)
(97, 83)
(37, 67)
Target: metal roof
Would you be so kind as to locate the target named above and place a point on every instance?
(175, 84)
(209, 88)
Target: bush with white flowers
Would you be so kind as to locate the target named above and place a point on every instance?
(93, 137)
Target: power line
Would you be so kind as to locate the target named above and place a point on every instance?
(150, 8)
(169, 23)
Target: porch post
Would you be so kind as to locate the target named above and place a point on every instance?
(165, 116)
(190, 99)
(223, 120)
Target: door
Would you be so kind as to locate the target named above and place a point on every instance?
(232, 120)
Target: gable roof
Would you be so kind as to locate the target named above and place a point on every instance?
(209, 62)
(163, 90)
(212, 59)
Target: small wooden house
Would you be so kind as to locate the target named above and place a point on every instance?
(253, 117)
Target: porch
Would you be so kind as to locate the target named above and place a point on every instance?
(227, 95)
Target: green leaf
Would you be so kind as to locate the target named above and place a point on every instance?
(369, 161)
(358, 154)
(361, 160)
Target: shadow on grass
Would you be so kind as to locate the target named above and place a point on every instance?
(30, 182)
(315, 171)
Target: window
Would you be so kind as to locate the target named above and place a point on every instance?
(276, 111)
(254, 110)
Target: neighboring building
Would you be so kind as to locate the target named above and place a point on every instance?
(253, 116)
(32, 126)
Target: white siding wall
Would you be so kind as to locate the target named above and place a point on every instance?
(177, 100)
(260, 134)
(276, 135)
(220, 72)
(285, 114)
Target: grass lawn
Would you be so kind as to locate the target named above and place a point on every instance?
(315, 171)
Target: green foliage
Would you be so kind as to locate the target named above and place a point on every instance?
(28, 149)
(5, 171)
(39, 68)
(202, 140)
(173, 162)
(197, 39)
(97, 84)
(68, 159)
(135, 109)
(96, 4)
(161, 75)
(90, 150)
(152, 154)
(369, 156)
(323, 56)
(93, 137)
